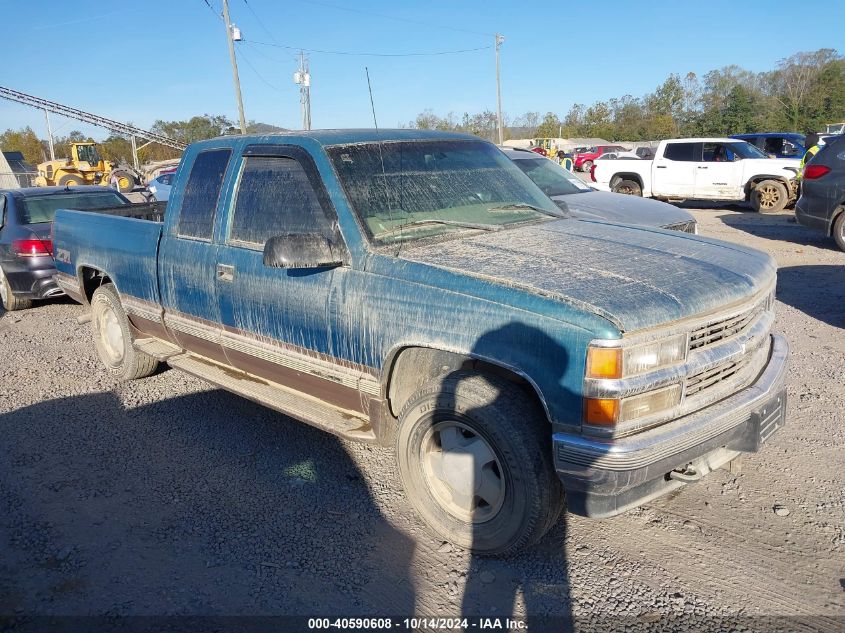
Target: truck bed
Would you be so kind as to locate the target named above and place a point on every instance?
(153, 211)
(122, 240)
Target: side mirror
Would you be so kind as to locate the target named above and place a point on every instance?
(301, 250)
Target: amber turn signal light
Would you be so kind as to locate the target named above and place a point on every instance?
(604, 362)
(601, 411)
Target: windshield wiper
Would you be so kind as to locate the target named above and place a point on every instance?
(466, 225)
(521, 206)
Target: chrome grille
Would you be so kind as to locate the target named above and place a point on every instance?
(713, 376)
(717, 331)
(684, 227)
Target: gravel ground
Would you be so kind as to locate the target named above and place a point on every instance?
(166, 496)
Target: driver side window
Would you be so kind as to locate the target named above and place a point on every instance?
(274, 197)
(717, 153)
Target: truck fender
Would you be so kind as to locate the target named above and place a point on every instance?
(408, 368)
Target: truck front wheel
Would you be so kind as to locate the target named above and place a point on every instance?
(628, 187)
(769, 196)
(113, 338)
(475, 456)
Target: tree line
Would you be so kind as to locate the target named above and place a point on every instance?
(802, 93)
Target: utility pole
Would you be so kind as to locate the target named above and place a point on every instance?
(499, 40)
(234, 66)
(303, 78)
(49, 135)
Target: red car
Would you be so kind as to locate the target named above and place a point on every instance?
(584, 160)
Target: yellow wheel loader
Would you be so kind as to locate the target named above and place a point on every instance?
(86, 167)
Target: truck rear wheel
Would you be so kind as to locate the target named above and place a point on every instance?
(8, 298)
(113, 338)
(475, 456)
(769, 196)
(627, 187)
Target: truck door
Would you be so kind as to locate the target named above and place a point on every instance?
(188, 258)
(277, 320)
(673, 174)
(718, 176)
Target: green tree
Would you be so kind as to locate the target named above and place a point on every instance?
(25, 141)
(550, 126)
(738, 113)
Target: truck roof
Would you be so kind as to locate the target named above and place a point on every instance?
(344, 137)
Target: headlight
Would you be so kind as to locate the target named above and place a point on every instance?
(607, 411)
(616, 362)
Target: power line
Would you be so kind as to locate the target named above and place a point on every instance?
(397, 19)
(219, 16)
(260, 21)
(361, 54)
(242, 56)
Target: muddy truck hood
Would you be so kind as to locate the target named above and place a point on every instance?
(636, 277)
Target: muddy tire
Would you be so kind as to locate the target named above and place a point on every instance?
(125, 181)
(769, 196)
(71, 180)
(475, 457)
(113, 338)
(8, 299)
(585, 166)
(627, 187)
(839, 230)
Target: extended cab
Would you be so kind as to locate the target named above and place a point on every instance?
(415, 288)
(721, 169)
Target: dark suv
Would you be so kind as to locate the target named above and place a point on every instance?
(822, 202)
(26, 250)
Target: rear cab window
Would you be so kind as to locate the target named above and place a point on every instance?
(687, 152)
(202, 191)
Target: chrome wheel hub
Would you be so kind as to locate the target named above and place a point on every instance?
(111, 335)
(462, 471)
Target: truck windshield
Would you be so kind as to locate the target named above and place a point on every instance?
(553, 179)
(35, 209)
(411, 190)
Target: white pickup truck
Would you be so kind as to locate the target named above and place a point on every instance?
(704, 169)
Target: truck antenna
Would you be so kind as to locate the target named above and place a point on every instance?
(380, 154)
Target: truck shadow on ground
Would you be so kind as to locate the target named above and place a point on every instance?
(546, 601)
(202, 504)
(207, 504)
(817, 291)
(778, 227)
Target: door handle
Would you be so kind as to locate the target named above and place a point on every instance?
(702, 166)
(225, 272)
(660, 166)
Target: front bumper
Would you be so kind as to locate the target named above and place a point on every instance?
(603, 478)
(32, 277)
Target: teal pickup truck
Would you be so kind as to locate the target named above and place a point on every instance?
(416, 289)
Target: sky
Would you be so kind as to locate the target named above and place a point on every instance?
(155, 59)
